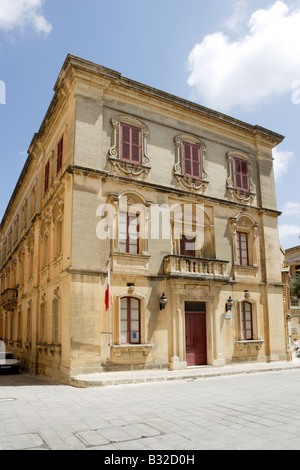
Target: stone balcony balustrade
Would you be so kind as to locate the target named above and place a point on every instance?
(186, 266)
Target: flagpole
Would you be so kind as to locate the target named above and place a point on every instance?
(108, 302)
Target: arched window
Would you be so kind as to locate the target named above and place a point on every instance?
(130, 321)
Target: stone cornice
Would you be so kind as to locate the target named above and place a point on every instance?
(114, 76)
(168, 189)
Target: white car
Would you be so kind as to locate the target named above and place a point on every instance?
(9, 362)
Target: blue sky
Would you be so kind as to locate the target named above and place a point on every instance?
(239, 57)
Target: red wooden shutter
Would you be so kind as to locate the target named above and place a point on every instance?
(241, 170)
(125, 143)
(135, 144)
(196, 162)
(60, 147)
(191, 160)
(131, 148)
(47, 175)
(187, 159)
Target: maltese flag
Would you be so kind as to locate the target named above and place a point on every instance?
(107, 285)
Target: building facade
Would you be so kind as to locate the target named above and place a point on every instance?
(292, 259)
(174, 201)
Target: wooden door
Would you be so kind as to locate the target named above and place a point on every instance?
(195, 334)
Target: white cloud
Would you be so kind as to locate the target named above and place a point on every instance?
(288, 231)
(282, 160)
(261, 65)
(291, 209)
(236, 20)
(18, 14)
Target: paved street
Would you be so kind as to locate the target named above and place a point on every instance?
(254, 411)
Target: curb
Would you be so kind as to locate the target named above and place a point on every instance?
(103, 380)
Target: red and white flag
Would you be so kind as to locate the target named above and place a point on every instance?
(107, 286)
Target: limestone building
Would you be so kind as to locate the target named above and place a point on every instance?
(174, 200)
(292, 259)
(292, 256)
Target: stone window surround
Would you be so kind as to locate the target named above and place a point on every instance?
(192, 184)
(245, 224)
(128, 168)
(247, 298)
(116, 335)
(238, 194)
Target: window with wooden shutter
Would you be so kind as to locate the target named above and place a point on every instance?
(131, 149)
(246, 321)
(241, 174)
(47, 176)
(191, 160)
(60, 147)
(130, 321)
(187, 246)
(129, 233)
(242, 249)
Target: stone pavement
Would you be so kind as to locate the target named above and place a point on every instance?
(249, 407)
(159, 375)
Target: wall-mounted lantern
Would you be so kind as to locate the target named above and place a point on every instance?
(163, 302)
(229, 304)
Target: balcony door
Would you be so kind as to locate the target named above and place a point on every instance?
(195, 333)
(187, 246)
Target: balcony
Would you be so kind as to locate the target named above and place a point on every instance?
(202, 268)
(295, 303)
(9, 299)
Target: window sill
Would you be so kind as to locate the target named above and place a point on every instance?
(127, 262)
(119, 349)
(132, 346)
(249, 346)
(245, 272)
(129, 169)
(241, 195)
(248, 268)
(250, 341)
(191, 183)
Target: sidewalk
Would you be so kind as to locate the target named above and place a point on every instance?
(191, 373)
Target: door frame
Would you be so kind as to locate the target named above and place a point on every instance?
(200, 312)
